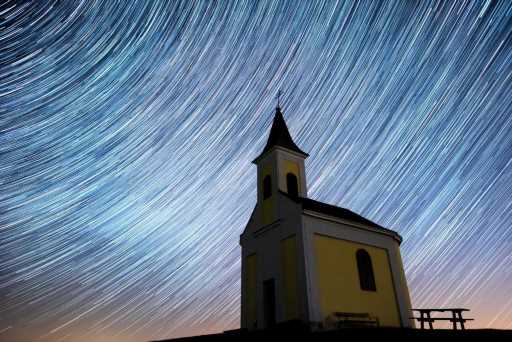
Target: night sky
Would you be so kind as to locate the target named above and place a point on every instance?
(127, 131)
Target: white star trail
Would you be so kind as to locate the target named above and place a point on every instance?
(127, 131)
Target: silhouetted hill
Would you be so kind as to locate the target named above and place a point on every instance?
(355, 334)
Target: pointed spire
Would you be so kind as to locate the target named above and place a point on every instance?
(280, 136)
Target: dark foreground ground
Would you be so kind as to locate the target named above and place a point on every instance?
(355, 334)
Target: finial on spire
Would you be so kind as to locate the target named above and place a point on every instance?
(278, 97)
(279, 134)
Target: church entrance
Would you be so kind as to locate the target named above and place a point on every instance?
(269, 302)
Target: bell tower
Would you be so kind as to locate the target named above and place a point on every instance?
(280, 167)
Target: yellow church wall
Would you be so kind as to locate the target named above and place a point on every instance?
(289, 277)
(268, 203)
(291, 167)
(338, 281)
(268, 211)
(250, 290)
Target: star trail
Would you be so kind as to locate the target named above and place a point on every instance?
(127, 131)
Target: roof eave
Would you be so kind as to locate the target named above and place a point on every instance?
(380, 230)
(277, 147)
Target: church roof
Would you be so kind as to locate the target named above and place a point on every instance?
(335, 211)
(338, 212)
(344, 214)
(280, 136)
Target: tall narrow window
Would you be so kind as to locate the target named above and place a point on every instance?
(292, 185)
(365, 268)
(267, 187)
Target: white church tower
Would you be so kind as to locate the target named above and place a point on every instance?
(310, 261)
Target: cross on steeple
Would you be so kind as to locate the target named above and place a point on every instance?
(278, 97)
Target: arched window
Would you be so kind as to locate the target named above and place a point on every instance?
(365, 268)
(267, 187)
(292, 185)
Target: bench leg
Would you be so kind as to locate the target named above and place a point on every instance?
(430, 321)
(461, 321)
(454, 320)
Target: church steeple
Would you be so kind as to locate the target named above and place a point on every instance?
(280, 168)
(280, 136)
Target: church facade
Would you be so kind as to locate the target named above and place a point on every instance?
(311, 261)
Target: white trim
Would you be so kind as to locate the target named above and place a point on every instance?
(266, 228)
(277, 147)
(351, 224)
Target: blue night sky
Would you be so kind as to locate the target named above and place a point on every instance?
(127, 131)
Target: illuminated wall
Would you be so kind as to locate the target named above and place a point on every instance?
(268, 207)
(338, 280)
(289, 277)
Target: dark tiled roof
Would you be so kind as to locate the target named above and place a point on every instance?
(335, 211)
(342, 213)
(280, 136)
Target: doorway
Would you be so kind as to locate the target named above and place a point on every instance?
(269, 302)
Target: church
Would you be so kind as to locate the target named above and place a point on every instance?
(308, 261)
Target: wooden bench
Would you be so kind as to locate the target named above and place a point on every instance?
(425, 317)
(352, 320)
